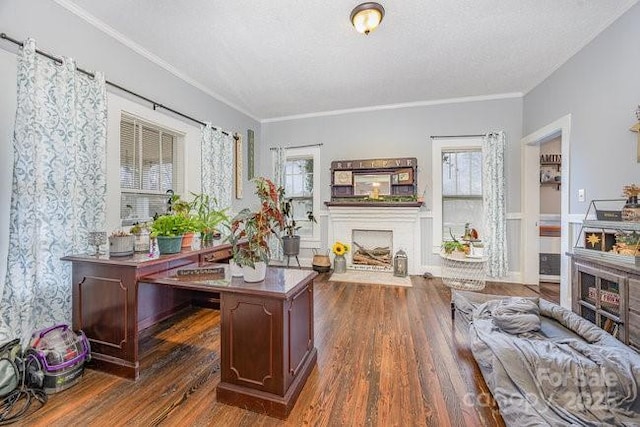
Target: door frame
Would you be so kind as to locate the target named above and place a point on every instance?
(530, 162)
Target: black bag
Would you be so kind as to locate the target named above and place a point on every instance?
(19, 381)
(10, 358)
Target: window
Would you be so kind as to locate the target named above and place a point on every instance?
(457, 168)
(300, 181)
(149, 167)
(461, 191)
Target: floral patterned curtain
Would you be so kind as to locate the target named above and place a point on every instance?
(58, 191)
(279, 159)
(494, 199)
(217, 165)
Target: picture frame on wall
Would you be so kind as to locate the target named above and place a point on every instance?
(405, 176)
(238, 169)
(250, 154)
(343, 178)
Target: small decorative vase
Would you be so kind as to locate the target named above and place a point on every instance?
(141, 242)
(339, 264)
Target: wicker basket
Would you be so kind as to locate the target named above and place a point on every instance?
(462, 272)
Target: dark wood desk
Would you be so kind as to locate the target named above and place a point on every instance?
(267, 337)
(111, 306)
(267, 345)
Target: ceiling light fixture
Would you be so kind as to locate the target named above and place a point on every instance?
(366, 17)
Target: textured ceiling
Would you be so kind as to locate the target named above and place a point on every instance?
(281, 58)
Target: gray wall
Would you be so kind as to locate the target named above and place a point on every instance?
(405, 132)
(401, 132)
(600, 88)
(61, 33)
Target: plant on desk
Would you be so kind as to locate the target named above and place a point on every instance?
(251, 230)
(168, 230)
(207, 217)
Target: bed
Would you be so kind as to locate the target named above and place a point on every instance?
(546, 365)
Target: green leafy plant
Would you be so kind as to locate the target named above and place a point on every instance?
(208, 218)
(137, 228)
(454, 245)
(170, 226)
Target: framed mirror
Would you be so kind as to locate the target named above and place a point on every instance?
(365, 184)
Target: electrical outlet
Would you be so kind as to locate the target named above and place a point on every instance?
(581, 195)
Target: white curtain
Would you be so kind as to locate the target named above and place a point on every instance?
(58, 190)
(279, 159)
(217, 165)
(494, 199)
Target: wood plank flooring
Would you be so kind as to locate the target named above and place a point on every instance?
(387, 356)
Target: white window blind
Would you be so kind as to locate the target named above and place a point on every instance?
(149, 167)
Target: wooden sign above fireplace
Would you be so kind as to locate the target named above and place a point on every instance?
(376, 182)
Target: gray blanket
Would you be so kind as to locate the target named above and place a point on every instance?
(583, 377)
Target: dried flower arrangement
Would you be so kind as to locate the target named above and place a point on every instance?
(631, 190)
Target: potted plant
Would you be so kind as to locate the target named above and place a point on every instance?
(208, 219)
(121, 243)
(250, 231)
(183, 209)
(291, 241)
(168, 230)
(454, 247)
(141, 233)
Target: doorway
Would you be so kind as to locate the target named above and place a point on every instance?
(531, 204)
(550, 213)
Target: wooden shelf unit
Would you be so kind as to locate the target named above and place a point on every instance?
(607, 293)
(401, 174)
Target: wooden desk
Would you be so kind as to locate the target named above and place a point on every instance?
(267, 346)
(111, 306)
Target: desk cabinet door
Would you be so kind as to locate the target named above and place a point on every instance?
(300, 321)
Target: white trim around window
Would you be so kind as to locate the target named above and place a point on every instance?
(188, 143)
(437, 147)
(310, 242)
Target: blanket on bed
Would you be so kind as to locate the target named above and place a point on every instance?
(590, 379)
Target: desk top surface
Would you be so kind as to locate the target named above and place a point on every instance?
(279, 282)
(142, 259)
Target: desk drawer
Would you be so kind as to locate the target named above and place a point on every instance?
(216, 256)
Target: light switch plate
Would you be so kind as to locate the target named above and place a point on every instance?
(581, 195)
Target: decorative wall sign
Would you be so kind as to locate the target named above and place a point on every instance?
(238, 174)
(343, 178)
(250, 154)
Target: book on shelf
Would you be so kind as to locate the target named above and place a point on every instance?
(607, 297)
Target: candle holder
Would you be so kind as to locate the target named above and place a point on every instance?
(97, 239)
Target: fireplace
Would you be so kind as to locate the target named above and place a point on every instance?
(372, 249)
(400, 225)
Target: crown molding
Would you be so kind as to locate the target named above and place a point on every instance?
(113, 33)
(397, 106)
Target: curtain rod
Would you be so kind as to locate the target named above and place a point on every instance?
(298, 146)
(456, 136)
(117, 86)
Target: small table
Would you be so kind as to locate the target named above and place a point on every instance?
(463, 273)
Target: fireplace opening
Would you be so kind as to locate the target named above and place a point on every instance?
(372, 250)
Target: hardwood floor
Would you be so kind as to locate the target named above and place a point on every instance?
(386, 356)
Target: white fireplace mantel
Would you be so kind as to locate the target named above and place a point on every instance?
(404, 222)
